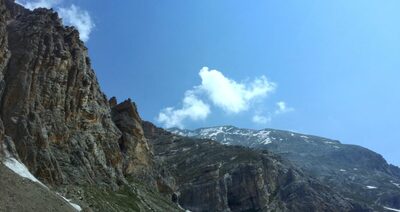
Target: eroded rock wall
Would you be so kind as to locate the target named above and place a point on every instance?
(52, 106)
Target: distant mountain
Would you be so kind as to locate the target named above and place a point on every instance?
(355, 172)
(210, 176)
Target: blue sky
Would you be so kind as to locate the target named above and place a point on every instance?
(334, 64)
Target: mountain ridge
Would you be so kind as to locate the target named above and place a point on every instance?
(351, 169)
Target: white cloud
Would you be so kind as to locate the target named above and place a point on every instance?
(193, 108)
(282, 108)
(39, 4)
(71, 16)
(78, 18)
(260, 119)
(231, 96)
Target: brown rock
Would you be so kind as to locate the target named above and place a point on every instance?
(133, 144)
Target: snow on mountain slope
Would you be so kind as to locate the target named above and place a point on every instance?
(252, 138)
(20, 169)
(354, 171)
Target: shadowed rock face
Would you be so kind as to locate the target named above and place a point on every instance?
(215, 177)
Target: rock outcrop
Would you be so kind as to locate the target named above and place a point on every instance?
(132, 143)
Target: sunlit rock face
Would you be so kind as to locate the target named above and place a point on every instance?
(51, 106)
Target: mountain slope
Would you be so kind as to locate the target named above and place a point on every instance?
(35, 197)
(215, 177)
(353, 171)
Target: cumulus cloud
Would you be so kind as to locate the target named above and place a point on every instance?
(222, 92)
(78, 18)
(71, 16)
(283, 108)
(260, 119)
(192, 108)
(232, 96)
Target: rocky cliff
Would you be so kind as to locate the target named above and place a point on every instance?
(52, 107)
(55, 119)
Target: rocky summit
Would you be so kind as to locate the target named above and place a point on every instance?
(64, 146)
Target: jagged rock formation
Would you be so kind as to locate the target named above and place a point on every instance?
(355, 172)
(215, 177)
(133, 144)
(56, 120)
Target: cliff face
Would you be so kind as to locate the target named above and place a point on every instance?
(52, 107)
(55, 119)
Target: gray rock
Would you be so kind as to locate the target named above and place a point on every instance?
(52, 106)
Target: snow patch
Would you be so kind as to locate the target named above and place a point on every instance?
(20, 169)
(267, 141)
(391, 209)
(396, 184)
(180, 207)
(342, 170)
(263, 136)
(371, 187)
(77, 207)
(185, 149)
